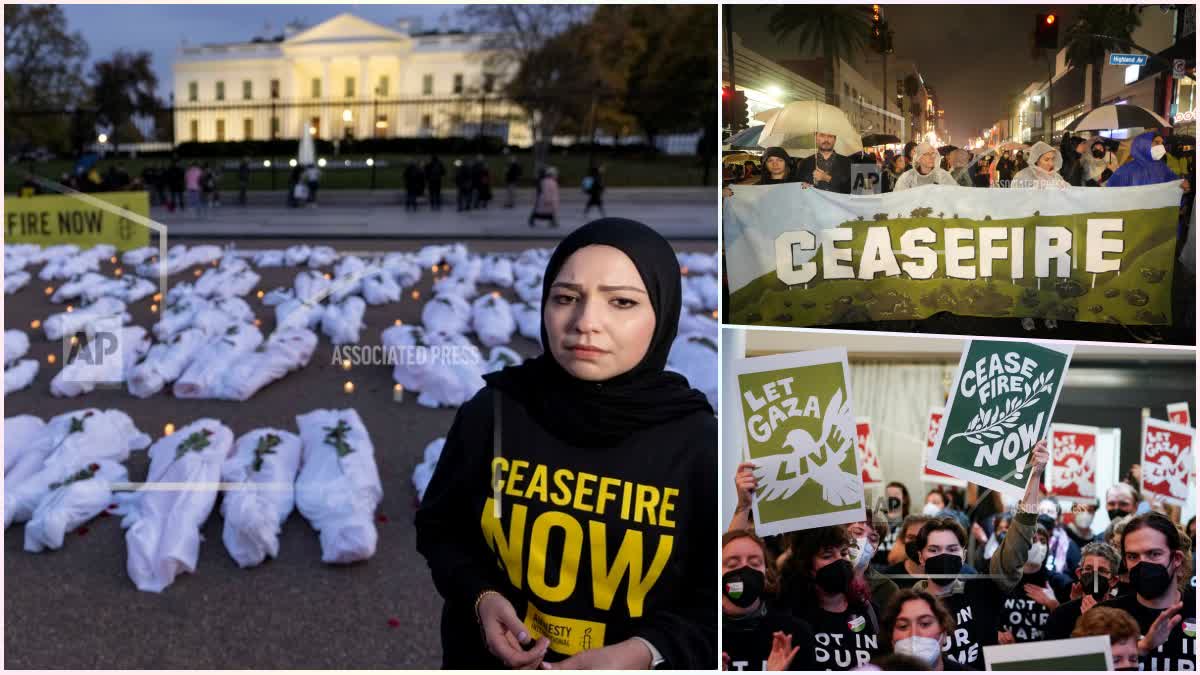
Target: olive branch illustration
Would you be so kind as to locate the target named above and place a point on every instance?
(993, 423)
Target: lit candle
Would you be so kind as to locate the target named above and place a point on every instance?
(683, 270)
(328, 275)
(70, 308)
(157, 297)
(348, 387)
(260, 294)
(433, 269)
(258, 322)
(35, 324)
(345, 364)
(113, 260)
(117, 271)
(714, 313)
(196, 271)
(398, 393)
(168, 429)
(49, 290)
(399, 322)
(50, 358)
(416, 294)
(153, 308)
(74, 340)
(495, 294)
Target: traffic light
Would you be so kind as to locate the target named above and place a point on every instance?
(1045, 33)
(733, 109)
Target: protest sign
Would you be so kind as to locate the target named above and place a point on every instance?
(1071, 473)
(801, 257)
(62, 219)
(799, 429)
(1179, 413)
(1001, 405)
(928, 475)
(868, 458)
(1166, 460)
(1083, 653)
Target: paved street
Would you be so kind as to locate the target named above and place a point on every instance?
(77, 608)
(678, 213)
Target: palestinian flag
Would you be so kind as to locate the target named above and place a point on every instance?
(857, 623)
(734, 589)
(1189, 628)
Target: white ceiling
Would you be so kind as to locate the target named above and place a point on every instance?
(902, 346)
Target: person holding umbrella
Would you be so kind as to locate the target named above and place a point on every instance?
(825, 170)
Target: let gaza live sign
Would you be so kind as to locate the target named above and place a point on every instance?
(799, 431)
(59, 219)
(1001, 405)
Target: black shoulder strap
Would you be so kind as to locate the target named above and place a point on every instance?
(497, 395)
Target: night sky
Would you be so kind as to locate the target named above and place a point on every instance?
(160, 29)
(974, 56)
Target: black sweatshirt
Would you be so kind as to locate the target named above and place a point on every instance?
(747, 640)
(591, 546)
(1178, 652)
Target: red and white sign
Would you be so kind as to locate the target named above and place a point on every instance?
(868, 459)
(1072, 470)
(931, 433)
(1166, 460)
(1178, 413)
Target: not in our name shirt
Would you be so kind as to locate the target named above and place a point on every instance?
(843, 641)
(976, 612)
(1026, 618)
(1178, 653)
(747, 640)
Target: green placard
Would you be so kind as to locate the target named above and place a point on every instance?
(799, 431)
(1001, 405)
(1084, 653)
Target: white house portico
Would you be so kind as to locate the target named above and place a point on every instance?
(346, 78)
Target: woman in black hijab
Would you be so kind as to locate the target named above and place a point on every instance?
(569, 521)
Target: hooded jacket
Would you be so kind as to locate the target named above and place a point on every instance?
(1033, 176)
(1142, 169)
(913, 177)
(592, 544)
(1072, 169)
(1094, 167)
(788, 175)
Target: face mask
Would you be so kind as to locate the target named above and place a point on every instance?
(923, 649)
(743, 586)
(835, 577)
(1098, 154)
(1158, 152)
(1113, 514)
(862, 551)
(931, 509)
(1037, 554)
(894, 504)
(1149, 580)
(949, 564)
(1095, 585)
(1047, 522)
(1083, 520)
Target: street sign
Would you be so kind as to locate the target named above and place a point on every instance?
(1127, 59)
(1178, 69)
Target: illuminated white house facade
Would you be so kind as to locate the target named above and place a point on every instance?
(346, 77)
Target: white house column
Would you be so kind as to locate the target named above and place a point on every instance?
(366, 91)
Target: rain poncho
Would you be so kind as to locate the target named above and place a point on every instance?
(1142, 169)
(265, 462)
(1033, 176)
(338, 488)
(163, 525)
(914, 178)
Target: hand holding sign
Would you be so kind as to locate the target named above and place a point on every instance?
(745, 483)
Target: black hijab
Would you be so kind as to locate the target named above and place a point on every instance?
(592, 414)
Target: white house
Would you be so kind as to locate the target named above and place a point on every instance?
(345, 77)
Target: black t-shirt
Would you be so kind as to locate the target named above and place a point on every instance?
(1179, 651)
(843, 640)
(747, 640)
(1082, 541)
(975, 611)
(1025, 617)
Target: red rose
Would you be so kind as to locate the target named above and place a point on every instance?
(93, 467)
(381, 518)
(394, 622)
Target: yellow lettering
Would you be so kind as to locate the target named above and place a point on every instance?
(582, 491)
(605, 580)
(563, 496)
(537, 483)
(667, 507)
(626, 493)
(507, 546)
(572, 548)
(605, 495)
(499, 466)
(514, 477)
(647, 499)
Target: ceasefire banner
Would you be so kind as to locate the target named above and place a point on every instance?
(1166, 460)
(63, 219)
(928, 475)
(805, 257)
(799, 432)
(1071, 474)
(868, 458)
(1001, 405)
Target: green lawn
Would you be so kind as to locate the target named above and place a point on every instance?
(665, 171)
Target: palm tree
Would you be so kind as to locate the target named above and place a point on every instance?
(1100, 29)
(836, 31)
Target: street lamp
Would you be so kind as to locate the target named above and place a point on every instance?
(103, 138)
(774, 91)
(321, 162)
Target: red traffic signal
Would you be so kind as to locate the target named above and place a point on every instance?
(1045, 32)
(1049, 19)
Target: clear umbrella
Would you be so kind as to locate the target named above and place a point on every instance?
(796, 123)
